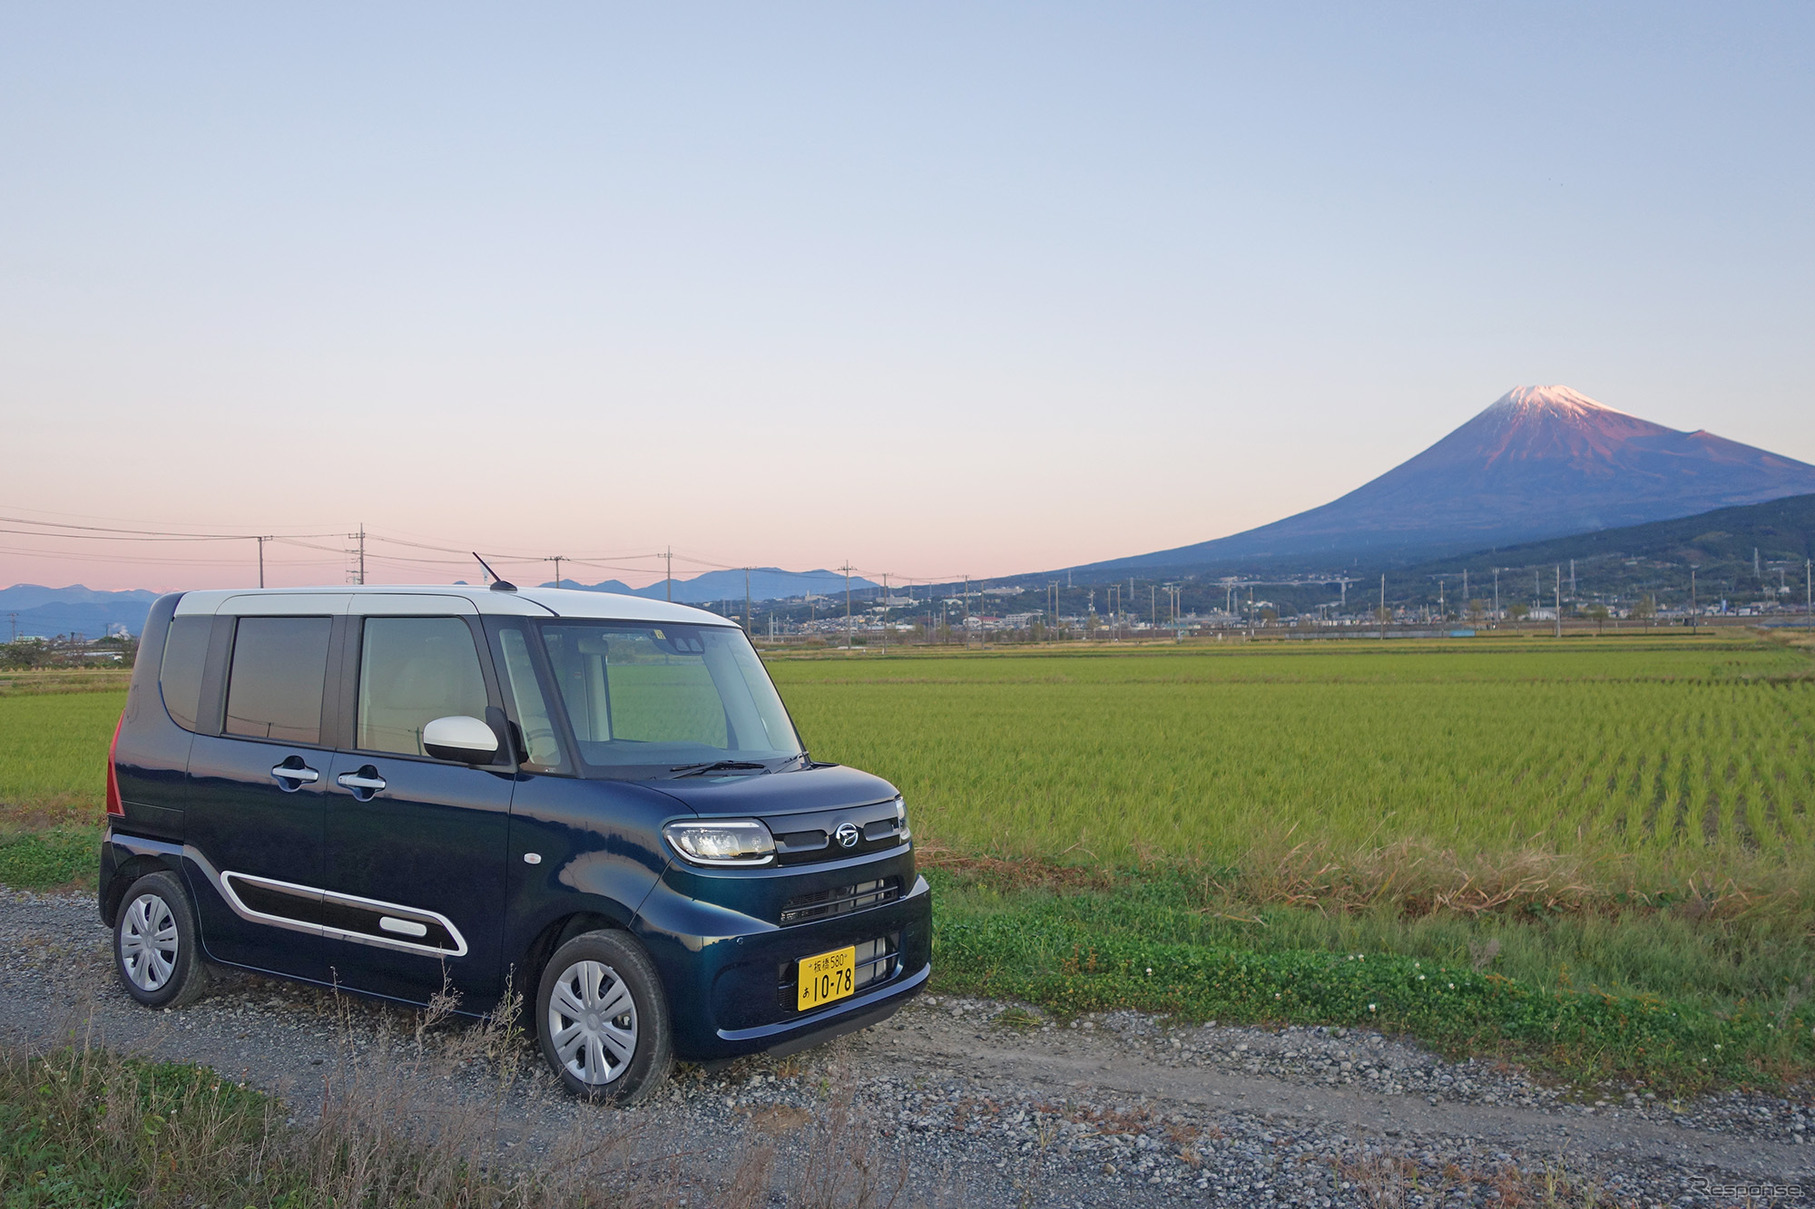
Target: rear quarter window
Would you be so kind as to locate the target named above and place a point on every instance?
(180, 674)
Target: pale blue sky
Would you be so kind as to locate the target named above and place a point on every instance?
(949, 289)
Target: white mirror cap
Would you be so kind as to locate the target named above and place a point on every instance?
(460, 732)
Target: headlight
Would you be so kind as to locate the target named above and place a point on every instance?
(901, 827)
(722, 841)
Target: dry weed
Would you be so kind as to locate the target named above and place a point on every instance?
(1413, 877)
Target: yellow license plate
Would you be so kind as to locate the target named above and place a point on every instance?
(827, 977)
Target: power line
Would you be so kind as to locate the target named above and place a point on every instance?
(151, 533)
(149, 537)
(114, 559)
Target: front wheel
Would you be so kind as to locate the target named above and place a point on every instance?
(155, 949)
(603, 1019)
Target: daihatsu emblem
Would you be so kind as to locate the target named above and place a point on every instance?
(847, 835)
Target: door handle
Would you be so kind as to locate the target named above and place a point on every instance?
(364, 784)
(291, 778)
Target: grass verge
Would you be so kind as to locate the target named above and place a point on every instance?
(1649, 998)
(64, 856)
(402, 1126)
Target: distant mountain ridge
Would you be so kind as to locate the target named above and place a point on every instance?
(41, 612)
(765, 583)
(35, 611)
(1540, 462)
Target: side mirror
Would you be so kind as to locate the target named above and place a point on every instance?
(460, 738)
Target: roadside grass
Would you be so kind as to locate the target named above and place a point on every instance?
(1675, 1001)
(66, 856)
(83, 1128)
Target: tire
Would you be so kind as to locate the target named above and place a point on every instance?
(619, 1058)
(156, 952)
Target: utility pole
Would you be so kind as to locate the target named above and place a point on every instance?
(848, 645)
(1153, 607)
(1559, 601)
(1572, 579)
(1695, 623)
(557, 570)
(668, 554)
(261, 560)
(885, 612)
(14, 618)
(362, 553)
(1496, 598)
(1383, 608)
(1808, 596)
(746, 600)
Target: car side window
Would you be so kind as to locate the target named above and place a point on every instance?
(532, 708)
(275, 680)
(180, 674)
(413, 670)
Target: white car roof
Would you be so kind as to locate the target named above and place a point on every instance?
(438, 598)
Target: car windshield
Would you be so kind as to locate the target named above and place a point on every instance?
(649, 700)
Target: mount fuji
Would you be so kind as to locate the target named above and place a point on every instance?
(1540, 462)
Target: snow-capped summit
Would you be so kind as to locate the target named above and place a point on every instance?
(1540, 461)
(1525, 400)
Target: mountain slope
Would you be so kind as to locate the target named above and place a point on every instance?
(1778, 531)
(1541, 461)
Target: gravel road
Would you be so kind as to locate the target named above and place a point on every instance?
(994, 1104)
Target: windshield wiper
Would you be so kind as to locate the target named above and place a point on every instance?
(700, 770)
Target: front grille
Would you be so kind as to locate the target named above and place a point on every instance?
(877, 961)
(803, 839)
(840, 900)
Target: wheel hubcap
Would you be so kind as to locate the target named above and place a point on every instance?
(148, 942)
(592, 1022)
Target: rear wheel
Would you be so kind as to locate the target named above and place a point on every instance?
(155, 949)
(602, 1018)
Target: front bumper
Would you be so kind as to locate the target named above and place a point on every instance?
(729, 975)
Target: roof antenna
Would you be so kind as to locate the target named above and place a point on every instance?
(498, 585)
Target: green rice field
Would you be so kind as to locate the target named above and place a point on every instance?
(53, 754)
(1651, 759)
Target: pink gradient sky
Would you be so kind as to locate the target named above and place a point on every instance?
(943, 290)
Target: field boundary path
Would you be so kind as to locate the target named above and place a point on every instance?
(987, 1104)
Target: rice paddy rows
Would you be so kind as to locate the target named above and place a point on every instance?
(1659, 759)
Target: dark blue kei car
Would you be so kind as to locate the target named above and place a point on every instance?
(597, 802)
